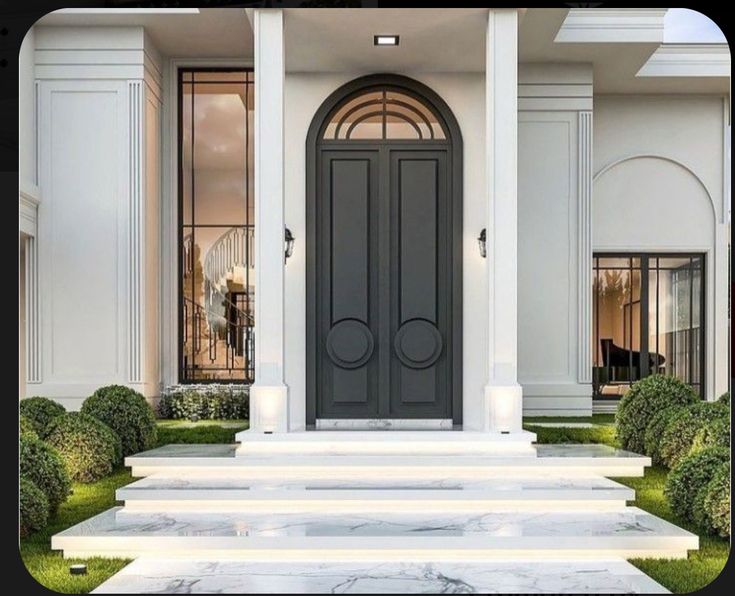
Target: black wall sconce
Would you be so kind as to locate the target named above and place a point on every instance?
(482, 242)
(288, 240)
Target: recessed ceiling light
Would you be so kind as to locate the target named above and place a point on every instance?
(385, 40)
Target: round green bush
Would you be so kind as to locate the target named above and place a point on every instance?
(692, 473)
(90, 449)
(642, 401)
(715, 433)
(26, 427)
(42, 465)
(687, 427)
(33, 508)
(655, 430)
(724, 398)
(40, 411)
(127, 413)
(714, 503)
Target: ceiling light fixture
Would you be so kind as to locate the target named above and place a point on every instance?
(386, 40)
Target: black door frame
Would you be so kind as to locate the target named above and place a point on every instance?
(314, 144)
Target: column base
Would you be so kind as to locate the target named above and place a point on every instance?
(269, 408)
(503, 408)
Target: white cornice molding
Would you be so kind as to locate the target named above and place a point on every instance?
(688, 60)
(619, 25)
(554, 87)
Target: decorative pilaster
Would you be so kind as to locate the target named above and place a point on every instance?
(33, 313)
(503, 396)
(584, 246)
(269, 394)
(135, 230)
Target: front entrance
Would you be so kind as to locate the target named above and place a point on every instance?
(384, 255)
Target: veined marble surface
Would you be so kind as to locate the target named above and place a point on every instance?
(579, 526)
(225, 451)
(163, 481)
(181, 576)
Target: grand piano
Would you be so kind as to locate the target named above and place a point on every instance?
(617, 363)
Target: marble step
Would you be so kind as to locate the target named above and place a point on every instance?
(549, 460)
(197, 492)
(164, 575)
(385, 442)
(388, 536)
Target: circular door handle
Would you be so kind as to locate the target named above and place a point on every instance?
(350, 343)
(418, 343)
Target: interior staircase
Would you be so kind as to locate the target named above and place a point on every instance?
(381, 503)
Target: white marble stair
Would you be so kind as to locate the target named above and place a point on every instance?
(386, 442)
(154, 575)
(547, 460)
(397, 536)
(207, 492)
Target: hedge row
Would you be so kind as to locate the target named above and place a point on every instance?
(205, 402)
(663, 418)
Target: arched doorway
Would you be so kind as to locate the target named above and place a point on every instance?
(384, 266)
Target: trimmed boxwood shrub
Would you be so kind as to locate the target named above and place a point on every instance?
(42, 465)
(205, 402)
(90, 449)
(26, 427)
(33, 507)
(712, 505)
(688, 427)
(715, 433)
(40, 411)
(655, 430)
(642, 401)
(690, 475)
(724, 398)
(127, 413)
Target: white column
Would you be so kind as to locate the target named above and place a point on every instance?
(503, 396)
(269, 394)
(584, 247)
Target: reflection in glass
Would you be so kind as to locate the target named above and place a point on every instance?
(216, 187)
(647, 319)
(384, 114)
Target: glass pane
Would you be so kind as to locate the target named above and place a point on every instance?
(616, 350)
(221, 132)
(614, 262)
(186, 161)
(217, 277)
(363, 117)
(218, 290)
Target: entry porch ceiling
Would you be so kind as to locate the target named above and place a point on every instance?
(202, 33)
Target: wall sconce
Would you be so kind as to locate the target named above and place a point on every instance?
(482, 242)
(288, 240)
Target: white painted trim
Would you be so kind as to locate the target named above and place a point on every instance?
(617, 162)
(136, 208)
(28, 201)
(688, 60)
(612, 25)
(584, 247)
(33, 313)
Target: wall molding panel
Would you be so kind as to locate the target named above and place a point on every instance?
(33, 313)
(135, 242)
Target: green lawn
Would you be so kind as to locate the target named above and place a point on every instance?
(52, 571)
(48, 567)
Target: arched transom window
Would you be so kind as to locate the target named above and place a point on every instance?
(384, 114)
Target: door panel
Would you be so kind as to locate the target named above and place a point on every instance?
(419, 285)
(348, 253)
(384, 284)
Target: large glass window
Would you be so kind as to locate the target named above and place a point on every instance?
(647, 319)
(216, 225)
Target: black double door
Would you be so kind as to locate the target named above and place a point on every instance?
(383, 258)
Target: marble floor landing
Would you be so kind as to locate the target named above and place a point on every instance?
(181, 576)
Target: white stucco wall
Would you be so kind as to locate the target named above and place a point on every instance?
(26, 112)
(464, 93)
(659, 186)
